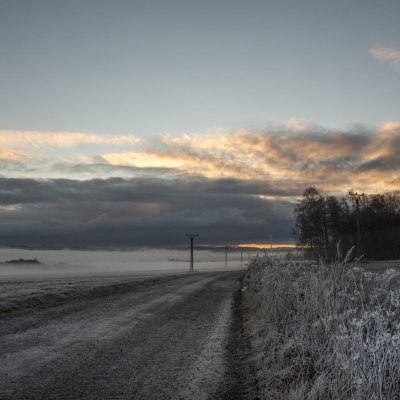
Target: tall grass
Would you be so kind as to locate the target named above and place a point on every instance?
(323, 332)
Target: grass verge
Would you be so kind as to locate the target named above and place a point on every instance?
(322, 332)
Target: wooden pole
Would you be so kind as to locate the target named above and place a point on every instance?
(191, 251)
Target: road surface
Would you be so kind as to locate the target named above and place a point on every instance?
(169, 340)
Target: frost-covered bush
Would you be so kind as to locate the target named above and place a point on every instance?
(324, 332)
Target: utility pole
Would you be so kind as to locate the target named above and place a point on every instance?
(191, 250)
(356, 196)
(226, 257)
(241, 259)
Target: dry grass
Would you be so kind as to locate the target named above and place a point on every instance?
(323, 332)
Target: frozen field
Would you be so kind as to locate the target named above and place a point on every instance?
(67, 275)
(114, 262)
(381, 266)
(42, 291)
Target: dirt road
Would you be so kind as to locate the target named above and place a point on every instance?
(169, 340)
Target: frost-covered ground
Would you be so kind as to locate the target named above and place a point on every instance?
(18, 295)
(66, 275)
(323, 332)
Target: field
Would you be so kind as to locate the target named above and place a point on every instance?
(69, 275)
(28, 293)
(381, 266)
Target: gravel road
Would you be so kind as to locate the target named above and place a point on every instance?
(169, 340)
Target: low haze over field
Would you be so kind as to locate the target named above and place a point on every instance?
(91, 262)
(129, 124)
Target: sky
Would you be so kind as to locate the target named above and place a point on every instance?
(133, 123)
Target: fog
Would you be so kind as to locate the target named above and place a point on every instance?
(143, 261)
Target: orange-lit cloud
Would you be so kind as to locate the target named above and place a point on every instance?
(285, 160)
(331, 160)
(388, 55)
(24, 139)
(13, 156)
(209, 165)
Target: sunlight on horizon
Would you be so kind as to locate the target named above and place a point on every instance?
(267, 246)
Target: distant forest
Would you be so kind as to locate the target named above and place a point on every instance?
(322, 222)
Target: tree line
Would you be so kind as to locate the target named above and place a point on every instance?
(322, 222)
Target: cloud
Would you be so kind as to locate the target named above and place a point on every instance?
(294, 155)
(17, 162)
(211, 164)
(15, 156)
(38, 140)
(230, 187)
(388, 55)
(137, 212)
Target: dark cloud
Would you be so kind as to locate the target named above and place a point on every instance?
(140, 212)
(137, 190)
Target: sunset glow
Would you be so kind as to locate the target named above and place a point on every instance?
(289, 157)
(267, 246)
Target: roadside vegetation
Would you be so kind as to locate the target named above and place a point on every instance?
(323, 331)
